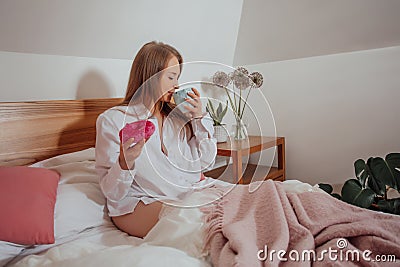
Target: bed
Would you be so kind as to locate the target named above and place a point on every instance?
(60, 136)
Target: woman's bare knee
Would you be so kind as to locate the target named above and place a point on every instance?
(140, 221)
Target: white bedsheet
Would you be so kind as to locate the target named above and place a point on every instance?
(176, 240)
(110, 247)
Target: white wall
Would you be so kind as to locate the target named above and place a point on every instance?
(333, 110)
(25, 77)
(48, 48)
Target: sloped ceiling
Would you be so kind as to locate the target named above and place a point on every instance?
(117, 29)
(239, 32)
(275, 30)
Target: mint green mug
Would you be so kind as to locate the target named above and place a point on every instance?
(180, 98)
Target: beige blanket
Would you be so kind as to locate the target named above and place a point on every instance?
(269, 227)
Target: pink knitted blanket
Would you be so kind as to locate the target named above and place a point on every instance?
(270, 227)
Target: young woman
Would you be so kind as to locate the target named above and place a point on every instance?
(136, 178)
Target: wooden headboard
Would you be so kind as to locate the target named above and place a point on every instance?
(33, 131)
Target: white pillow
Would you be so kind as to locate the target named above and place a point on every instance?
(80, 204)
(82, 155)
(76, 167)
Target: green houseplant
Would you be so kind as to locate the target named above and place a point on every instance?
(373, 180)
(217, 115)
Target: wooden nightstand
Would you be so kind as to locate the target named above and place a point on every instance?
(237, 149)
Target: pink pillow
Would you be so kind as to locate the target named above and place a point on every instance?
(27, 199)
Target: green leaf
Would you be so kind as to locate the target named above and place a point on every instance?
(210, 111)
(219, 109)
(326, 187)
(393, 160)
(382, 172)
(365, 199)
(374, 182)
(225, 109)
(353, 193)
(211, 107)
(390, 205)
(361, 172)
(218, 114)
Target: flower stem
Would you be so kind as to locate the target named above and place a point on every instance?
(240, 103)
(245, 102)
(234, 97)
(230, 100)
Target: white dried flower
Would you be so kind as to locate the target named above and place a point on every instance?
(242, 70)
(240, 78)
(220, 78)
(257, 79)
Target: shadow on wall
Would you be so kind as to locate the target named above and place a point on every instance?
(81, 132)
(93, 85)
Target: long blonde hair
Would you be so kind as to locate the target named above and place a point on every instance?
(151, 59)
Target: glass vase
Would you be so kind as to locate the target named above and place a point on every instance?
(239, 130)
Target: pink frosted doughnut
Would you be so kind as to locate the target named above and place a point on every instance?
(138, 130)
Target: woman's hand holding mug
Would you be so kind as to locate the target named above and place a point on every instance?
(196, 108)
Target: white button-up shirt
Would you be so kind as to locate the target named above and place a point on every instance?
(155, 176)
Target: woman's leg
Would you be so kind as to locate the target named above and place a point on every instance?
(141, 220)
